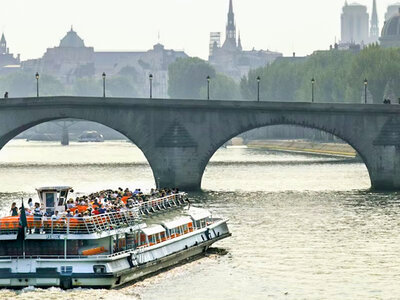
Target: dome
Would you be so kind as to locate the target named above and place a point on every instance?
(392, 26)
(390, 36)
(72, 40)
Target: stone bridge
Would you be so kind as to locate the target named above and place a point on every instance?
(178, 137)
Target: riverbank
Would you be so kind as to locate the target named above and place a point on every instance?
(303, 146)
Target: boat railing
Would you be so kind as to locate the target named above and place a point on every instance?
(90, 224)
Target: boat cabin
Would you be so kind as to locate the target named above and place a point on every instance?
(53, 198)
(200, 217)
(178, 227)
(150, 236)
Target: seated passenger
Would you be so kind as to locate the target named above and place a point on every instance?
(55, 217)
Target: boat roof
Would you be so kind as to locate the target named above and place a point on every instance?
(199, 213)
(54, 188)
(177, 222)
(153, 230)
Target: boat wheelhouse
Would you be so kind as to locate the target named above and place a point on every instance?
(104, 250)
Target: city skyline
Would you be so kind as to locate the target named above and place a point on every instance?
(297, 29)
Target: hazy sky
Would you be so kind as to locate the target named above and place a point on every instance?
(280, 25)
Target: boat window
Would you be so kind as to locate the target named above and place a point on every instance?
(66, 269)
(61, 202)
(162, 235)
(49, 199)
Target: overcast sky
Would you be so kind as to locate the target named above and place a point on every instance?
(286, 26)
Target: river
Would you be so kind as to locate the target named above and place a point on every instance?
(304, 227)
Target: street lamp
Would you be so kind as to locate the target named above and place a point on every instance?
(208, 87)
(312, 89)
(104, 84)
(151, 85)
(258, 88)
(37, 84)
(365, 89)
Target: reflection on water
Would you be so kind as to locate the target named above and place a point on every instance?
(303, 227)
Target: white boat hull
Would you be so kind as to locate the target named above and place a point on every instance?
(119, 269)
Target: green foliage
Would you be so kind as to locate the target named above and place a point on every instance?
(23, 84)
(87, 87)
(187, 78)
(222, 87)
(339, 76)
(119, 86)
(382, 69)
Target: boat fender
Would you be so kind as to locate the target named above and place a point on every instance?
(207, 233)
(130, 262)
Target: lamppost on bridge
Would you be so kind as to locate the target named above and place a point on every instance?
(151, 85)
(258, 88)
(104, 84)
(208, 87)
(37, 84)
(365, 90)
(312, 89)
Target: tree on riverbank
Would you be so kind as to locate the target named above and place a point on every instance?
(339, 76)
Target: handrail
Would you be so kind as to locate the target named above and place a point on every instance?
(90, 224)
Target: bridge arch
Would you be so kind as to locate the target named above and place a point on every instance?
(4, 139)
(268, 123)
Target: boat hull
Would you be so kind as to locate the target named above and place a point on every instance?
(118, 270)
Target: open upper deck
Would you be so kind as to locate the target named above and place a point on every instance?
(88, 227)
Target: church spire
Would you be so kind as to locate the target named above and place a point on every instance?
(374, 33)
(230, 7)
(230, 40)
(3, 44)
(240, 43)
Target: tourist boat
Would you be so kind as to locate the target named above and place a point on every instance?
(91, 136)
(105, 250)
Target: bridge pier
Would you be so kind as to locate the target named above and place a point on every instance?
(176, 167)
(384, 168)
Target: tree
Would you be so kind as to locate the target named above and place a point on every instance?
(23, 84)
(119, 86)
(222, 87)
(187, 78)
(381, 67)
(87, 87)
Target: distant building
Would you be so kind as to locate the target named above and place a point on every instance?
(230, 58)
(215, 39)
(72, 59)
(392, 10)
(355, 24)
(390, 36)
(7, 60)
(357, 29)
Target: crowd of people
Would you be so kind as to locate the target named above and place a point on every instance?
(105, 201)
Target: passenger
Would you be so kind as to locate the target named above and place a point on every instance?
(30, 203)
(36, 210)
(14, 209)
(55, 217)
(28, 212)
(69, 215)
(102, 209)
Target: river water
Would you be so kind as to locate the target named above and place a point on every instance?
(304, 227)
